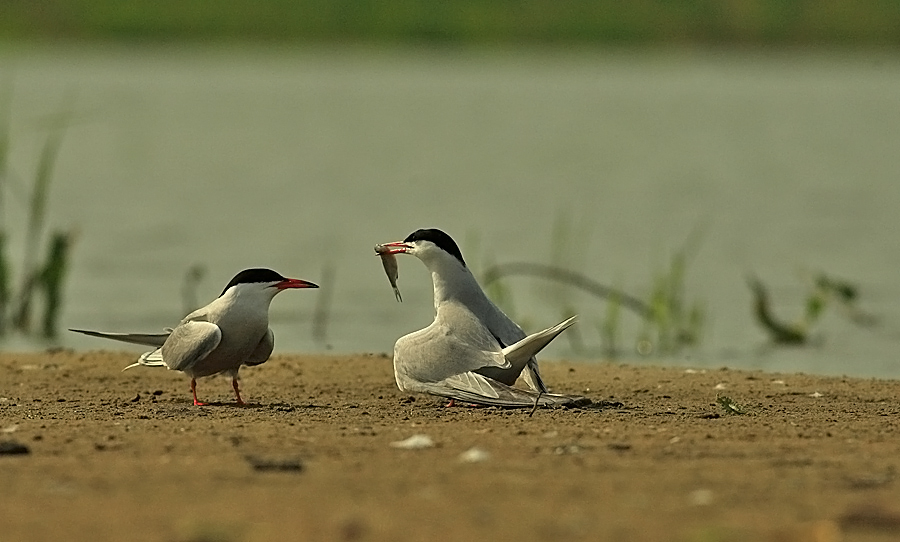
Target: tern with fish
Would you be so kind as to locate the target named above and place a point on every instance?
(472, 352)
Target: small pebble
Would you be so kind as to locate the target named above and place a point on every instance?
(701, 497)
(474, 455)
(415, 442)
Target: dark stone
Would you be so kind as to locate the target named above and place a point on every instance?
(11, 447)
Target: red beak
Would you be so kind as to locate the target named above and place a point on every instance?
(398, 247)
(295, 283)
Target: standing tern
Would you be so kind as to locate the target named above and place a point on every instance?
(472, 352)
(231, 331)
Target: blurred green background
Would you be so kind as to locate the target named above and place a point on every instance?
(842, 23)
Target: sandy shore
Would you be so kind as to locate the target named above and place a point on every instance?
(126, 456)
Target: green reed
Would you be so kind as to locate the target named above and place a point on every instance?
(823, 291)
(47, 276)
(669, 322)
(672, 323)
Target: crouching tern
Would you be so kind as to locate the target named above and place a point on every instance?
(472, 352)
(231, 331)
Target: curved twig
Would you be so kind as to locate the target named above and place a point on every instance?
(571, 278)
(780, 332)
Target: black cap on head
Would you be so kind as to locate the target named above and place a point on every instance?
(249, 276)
(439, 238)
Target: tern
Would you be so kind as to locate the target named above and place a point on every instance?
(230, 332)
(472, 352)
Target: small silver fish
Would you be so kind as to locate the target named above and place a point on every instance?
(391, 269)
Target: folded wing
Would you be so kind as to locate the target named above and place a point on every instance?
(189, 343)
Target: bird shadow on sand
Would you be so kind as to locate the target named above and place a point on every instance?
(289, 407)
(221, 404)
(278, 407)
(604, 404)
(592, 405)
(232, 404)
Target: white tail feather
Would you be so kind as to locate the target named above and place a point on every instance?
(534, 343)
(149, 359)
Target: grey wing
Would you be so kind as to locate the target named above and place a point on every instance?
(501, 326)
(532, 375)
(189, 343)
(263, 350)
(442, 350)
(507, 333)
(480, 390)
(146, 339)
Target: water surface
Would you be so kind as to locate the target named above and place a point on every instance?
(302, 159)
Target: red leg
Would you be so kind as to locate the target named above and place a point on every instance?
(194, 392)
(237, 391)
(450, 404)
